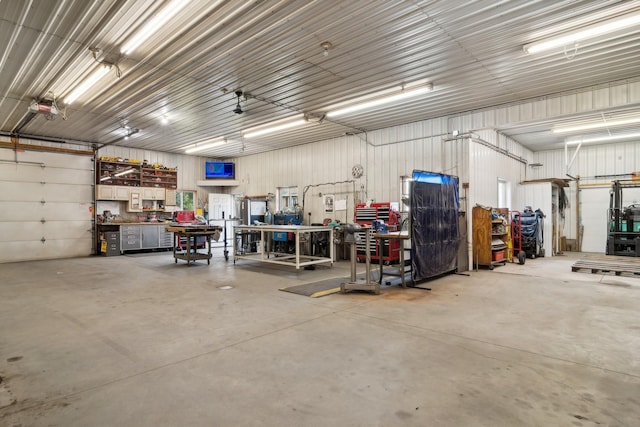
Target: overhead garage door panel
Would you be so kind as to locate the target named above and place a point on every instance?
(36, 250)
(48, 159)
(50, 211)
(47, 202)
(46, 175)
(50, 230)
(36, 192)
(594, 207)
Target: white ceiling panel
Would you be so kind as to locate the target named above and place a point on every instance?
(188, 70)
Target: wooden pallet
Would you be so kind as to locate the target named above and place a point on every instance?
(608, 264)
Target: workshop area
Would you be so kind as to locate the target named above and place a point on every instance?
(310, 213)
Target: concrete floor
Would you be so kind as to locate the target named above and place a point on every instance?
(142, 341)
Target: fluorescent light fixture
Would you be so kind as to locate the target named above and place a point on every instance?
(379, 98)
(584, 34)
(153, 25)
(124, 172)
(598, 125)
(278, 125)
(603, 138)
(105, 178)
(87, 83)
(201, 146)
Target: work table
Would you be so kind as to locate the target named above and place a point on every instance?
(135, 223)
(249, 242)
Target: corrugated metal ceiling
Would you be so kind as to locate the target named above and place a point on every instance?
(188, 70)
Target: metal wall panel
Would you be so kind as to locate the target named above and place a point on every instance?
(385, 155)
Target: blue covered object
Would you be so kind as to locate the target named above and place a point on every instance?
(531, 234)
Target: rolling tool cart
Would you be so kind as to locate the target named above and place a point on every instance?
(529, 226)
(516, 236)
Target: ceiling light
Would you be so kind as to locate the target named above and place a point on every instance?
(153, 25)
(164, 120)
(603, 138)
(326, 47)
(405, 92)
(87, 83)
(586, 33)
(129, 131)
(124, 172)
(598, 125)
(201, 146)
(276, 126)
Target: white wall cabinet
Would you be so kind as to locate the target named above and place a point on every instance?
(112, 192)
(171, 197)
(135, 201)
(153, 193)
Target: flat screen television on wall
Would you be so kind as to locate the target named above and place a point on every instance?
(219, 170)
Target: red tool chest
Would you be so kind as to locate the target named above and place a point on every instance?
(366, 215)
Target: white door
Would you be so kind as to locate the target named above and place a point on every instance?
(219, 207)
(47, 205)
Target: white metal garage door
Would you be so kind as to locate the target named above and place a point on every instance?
(594, 204)
(46, 202)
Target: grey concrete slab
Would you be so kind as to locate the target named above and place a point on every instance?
(142, 341)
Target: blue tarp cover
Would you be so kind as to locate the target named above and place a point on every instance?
(434, 224)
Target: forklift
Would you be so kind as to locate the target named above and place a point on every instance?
(623, 236)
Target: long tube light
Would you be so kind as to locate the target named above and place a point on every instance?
(201, 146)
(87, 83)
(278, 125)
(124, 172)
(153, 25)
(404, 94)
(604, 138)
(598, 125)
(587, 33)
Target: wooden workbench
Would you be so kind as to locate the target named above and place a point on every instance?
(191, 234)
